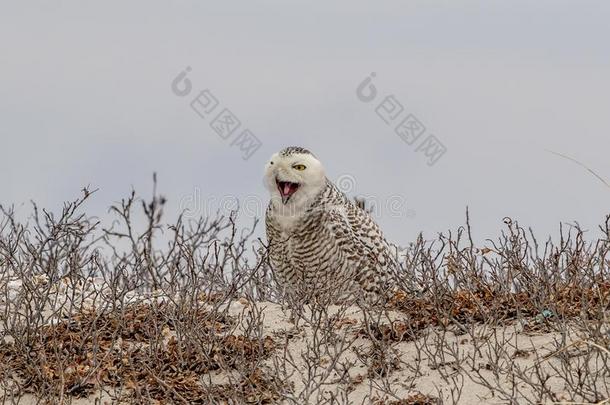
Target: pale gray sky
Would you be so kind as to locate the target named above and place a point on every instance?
(85, 98)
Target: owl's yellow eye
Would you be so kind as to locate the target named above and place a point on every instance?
(299, 167)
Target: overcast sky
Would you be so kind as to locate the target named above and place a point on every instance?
(86, 99)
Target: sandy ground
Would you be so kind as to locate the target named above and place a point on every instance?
(436, 364)
(436, 375)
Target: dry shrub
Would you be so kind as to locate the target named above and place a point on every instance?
(415, 399)
(136, 348)
(139, 311)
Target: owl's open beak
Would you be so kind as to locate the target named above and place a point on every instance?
(287, 189)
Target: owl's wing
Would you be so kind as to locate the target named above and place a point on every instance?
(341, 230)
(360, 241)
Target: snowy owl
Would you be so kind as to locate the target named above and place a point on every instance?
(321, 244)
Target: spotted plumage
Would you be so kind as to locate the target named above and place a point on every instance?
(321, 244)
(292, 150)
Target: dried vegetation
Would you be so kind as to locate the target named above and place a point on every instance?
(95, 313)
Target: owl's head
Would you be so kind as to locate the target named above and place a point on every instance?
(294, 177)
